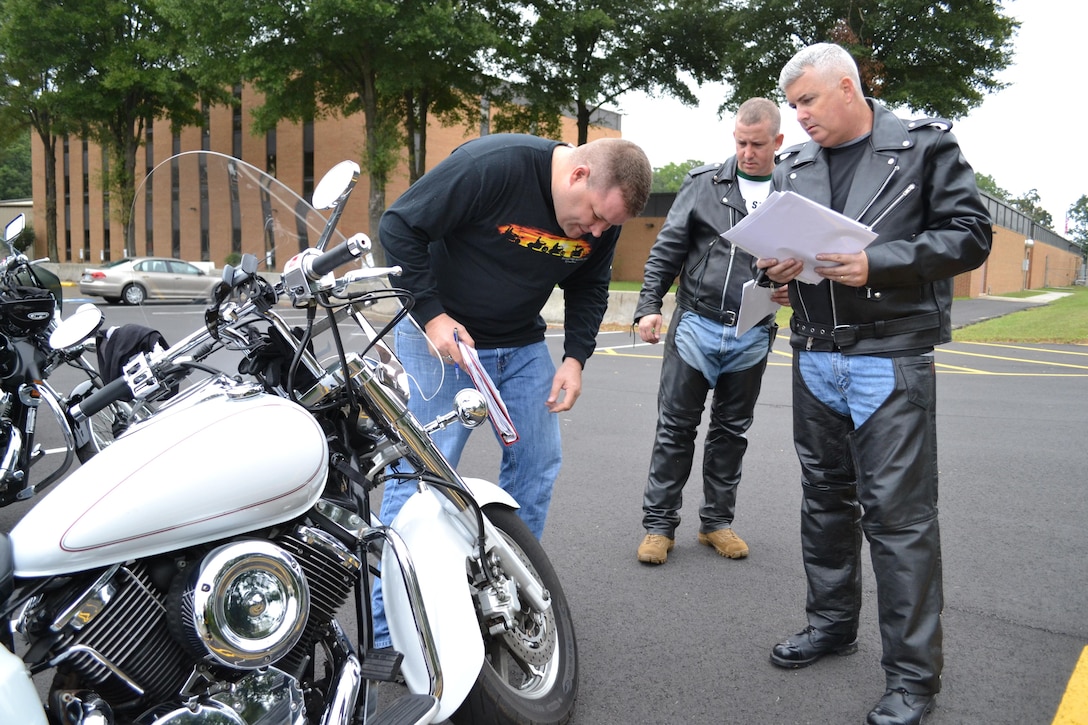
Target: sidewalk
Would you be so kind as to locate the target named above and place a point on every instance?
(978, 309)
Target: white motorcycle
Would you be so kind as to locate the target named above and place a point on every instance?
(199, 569)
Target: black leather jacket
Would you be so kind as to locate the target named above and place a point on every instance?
(712, 271)
(916, 190)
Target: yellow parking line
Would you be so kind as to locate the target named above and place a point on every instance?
(1014, 359)
(632, 350)
(1022, 347)
(1073, 709)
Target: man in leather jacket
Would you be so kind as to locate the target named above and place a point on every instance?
(864, 381)
(703, 351)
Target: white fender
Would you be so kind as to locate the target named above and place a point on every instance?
(438, 550)
(18, 699)
(486, 493)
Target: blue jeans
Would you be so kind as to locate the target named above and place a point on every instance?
(523, 376)
(714, 349)
(851, 385)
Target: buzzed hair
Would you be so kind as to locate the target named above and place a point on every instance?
(619, 164)
(759, 110)
(829, 60)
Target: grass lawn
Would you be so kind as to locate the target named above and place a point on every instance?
(1063, 321)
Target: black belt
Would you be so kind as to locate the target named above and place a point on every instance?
(726, 317)
(847, 335)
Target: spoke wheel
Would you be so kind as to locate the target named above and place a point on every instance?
(530, 674)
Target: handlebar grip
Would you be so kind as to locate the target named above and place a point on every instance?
(109, 393)
(338, 255)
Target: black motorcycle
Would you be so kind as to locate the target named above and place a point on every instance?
(34, 344)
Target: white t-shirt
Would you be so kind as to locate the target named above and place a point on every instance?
(754, 191)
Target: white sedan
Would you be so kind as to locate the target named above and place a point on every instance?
(137, 279)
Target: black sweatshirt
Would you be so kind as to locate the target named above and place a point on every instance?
(478, 239)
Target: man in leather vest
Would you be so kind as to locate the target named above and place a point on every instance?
(864, 381)
(703, 351)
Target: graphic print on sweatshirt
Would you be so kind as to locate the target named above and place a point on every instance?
(538, 240)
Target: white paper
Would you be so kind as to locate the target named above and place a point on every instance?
(789, 225)
(496, 409)
(755, 304)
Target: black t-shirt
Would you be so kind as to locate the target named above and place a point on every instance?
(478, 239)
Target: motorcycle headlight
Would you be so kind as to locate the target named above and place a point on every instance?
(250, 603)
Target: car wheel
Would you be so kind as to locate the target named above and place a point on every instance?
(134, 294)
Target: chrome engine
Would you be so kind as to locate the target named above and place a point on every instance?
(172, 639)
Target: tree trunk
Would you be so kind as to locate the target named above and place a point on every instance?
(583, 122)
(49, 146)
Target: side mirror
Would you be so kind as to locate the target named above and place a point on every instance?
(331, 193)
(15, 227)
(78, 328)
(335, 185)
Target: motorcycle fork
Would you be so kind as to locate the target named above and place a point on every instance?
(456, 497)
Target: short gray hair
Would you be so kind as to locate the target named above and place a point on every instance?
(757, 110)
(827, 59)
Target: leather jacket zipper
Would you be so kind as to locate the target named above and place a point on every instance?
(895, 202)
(728, 275)
(879, 191)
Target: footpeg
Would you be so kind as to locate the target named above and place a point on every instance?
(407, 709)
(382, 665)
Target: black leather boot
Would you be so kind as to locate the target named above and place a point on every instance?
(899, 707)
(809, 645)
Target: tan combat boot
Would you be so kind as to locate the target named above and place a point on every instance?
(726, 543)
(655, 549)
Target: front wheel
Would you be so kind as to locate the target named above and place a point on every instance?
(530, 674)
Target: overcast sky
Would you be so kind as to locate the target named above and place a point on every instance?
(1026, 136)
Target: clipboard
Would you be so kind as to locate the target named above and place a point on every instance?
(496, 409)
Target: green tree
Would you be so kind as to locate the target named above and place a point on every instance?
(988, 184)
(129, 70)
(940, 58)
(31, 68)
(575, 56)
(1078, 223)
(670, 176)
(1028, 203)
(394, 61)
(15, 169)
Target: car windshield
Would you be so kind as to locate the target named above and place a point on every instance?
(114, 263)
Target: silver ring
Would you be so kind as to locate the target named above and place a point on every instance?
(448, 358)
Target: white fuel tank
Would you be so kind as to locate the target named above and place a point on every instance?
(213, 467)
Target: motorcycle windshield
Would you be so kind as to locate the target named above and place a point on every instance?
(235, 209)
